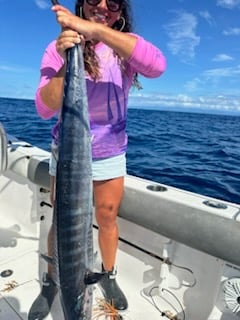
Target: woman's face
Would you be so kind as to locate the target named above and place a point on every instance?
(100, 13)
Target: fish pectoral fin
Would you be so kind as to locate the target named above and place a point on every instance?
(47, 258)
(93, 277)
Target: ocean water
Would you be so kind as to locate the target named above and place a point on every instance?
(195, 152)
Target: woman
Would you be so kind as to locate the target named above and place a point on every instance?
(113, 57)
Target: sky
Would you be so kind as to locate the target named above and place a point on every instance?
(200, 40)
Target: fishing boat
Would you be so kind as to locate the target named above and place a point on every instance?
(178, 256)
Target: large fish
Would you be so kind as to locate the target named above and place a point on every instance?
(72, 223)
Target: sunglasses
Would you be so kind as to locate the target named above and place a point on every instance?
(112, 5)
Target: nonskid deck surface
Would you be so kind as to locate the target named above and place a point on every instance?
(18, 291)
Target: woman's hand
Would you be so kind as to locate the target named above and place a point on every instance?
(121, 42)
(70, 21)
(67, 39)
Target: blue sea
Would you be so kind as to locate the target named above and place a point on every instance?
(192, 151)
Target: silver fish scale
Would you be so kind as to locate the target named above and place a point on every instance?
(73, 246)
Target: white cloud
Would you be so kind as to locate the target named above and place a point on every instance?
(182, 35)
(43, 4)
(206, 15)
(193, 85)
(210, 103)
(222, 72)
(232, 32)
(15, 69)
(214, 80)
(229, 4)
(222, 57)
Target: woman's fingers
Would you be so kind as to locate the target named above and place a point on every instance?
(63, 15)
(69, 20)
(68, 39)
(59, 8)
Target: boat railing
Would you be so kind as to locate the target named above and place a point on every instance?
(3, 149)
(202, 223)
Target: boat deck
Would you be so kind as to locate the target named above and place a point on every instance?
(21, 256)
(202, 247)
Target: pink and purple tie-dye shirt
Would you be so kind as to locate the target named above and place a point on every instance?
(107, 97)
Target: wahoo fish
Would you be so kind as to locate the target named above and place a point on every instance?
(72, 222)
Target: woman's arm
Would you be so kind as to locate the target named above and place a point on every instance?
(52, 93)
(144, 57)
(49, 95)
(121, 42)
(141, 55)
(147, 59)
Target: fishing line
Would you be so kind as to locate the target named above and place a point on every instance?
(163, 260)
(11, 285)
(188, 270)
(166, 314)
(175, 297)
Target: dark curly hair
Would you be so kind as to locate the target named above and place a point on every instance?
(90, 58)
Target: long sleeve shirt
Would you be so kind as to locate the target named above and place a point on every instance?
(108, 96)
